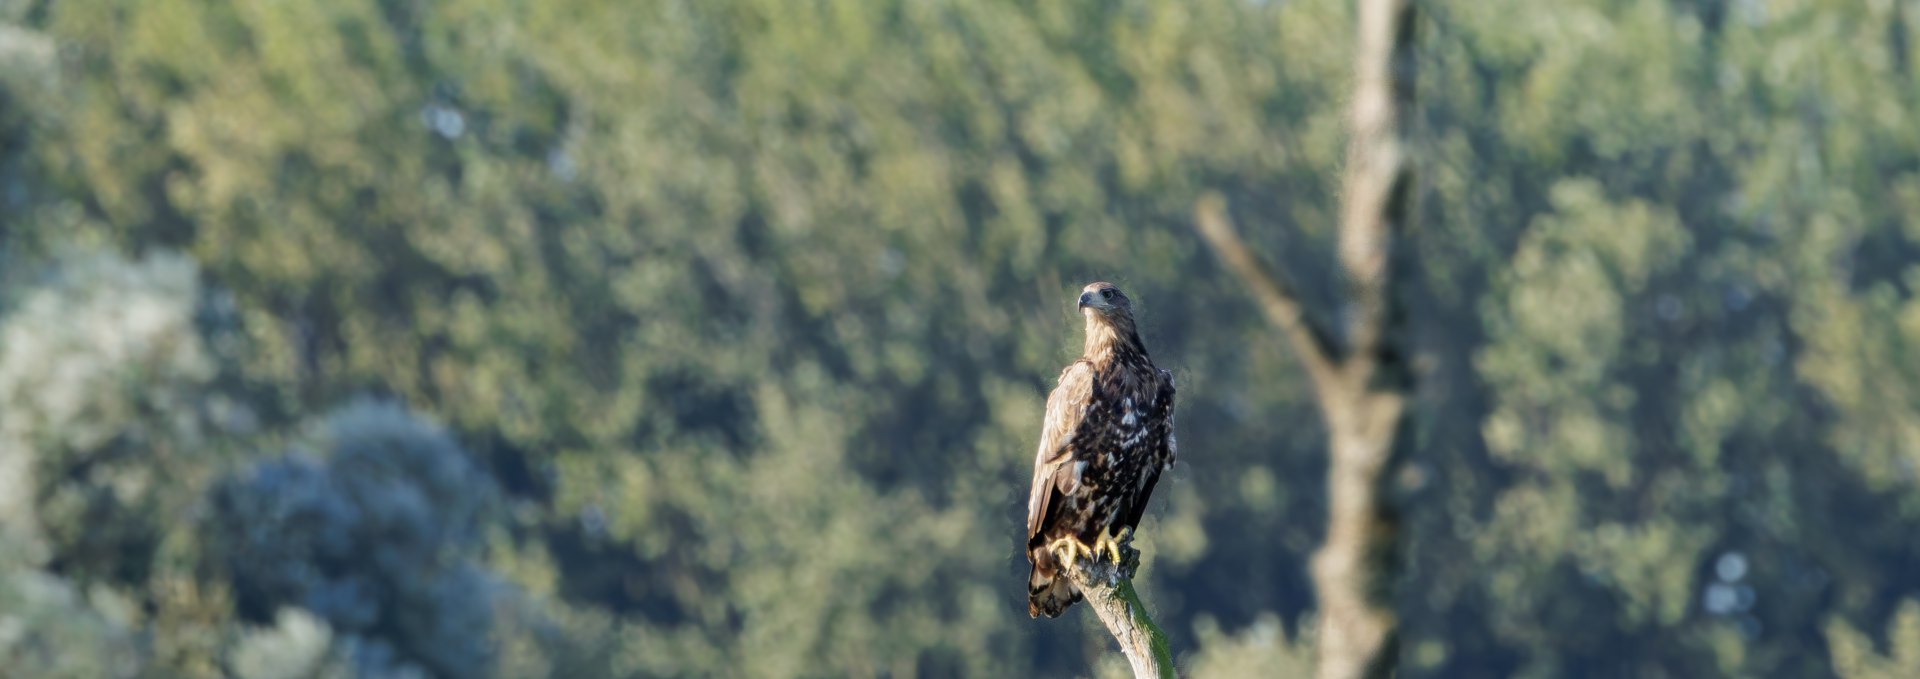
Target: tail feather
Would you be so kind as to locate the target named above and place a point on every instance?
(1049, 591)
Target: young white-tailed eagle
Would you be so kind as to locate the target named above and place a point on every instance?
(1108, 435)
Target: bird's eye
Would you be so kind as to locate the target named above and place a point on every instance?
(1107, 293)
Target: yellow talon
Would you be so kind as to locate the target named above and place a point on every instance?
(1070, 549)
(1103, 543)
(1067, 549)
(1109, 543)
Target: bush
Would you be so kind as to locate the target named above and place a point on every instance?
(377, 539)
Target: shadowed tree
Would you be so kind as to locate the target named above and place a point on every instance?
(376, 540)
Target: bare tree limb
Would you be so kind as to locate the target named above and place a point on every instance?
(1108, 587)
(1311, 339)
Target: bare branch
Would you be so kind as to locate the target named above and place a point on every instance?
(1311, 339)
(1108, 587)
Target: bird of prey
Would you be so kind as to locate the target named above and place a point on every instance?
(1107, 437)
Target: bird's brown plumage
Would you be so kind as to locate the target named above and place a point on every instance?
(1107, 437)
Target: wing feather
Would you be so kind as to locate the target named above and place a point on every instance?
(1166, 451)
(1166, 404)
(1066, 407)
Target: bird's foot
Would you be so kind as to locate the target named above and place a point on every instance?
(1111, 553)
(1069, 550)
(1110, 544)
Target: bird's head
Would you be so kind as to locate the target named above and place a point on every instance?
(1103, 300)
(1109, 320)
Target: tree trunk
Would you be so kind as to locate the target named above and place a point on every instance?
(1361, 380)
(1355, 571)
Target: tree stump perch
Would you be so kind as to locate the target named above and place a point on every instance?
(1108, 588)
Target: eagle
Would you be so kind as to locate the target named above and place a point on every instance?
(1107, 437)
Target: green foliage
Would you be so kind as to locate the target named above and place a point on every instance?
(104, 370)
(49, 630)
(295, 647)
(108, 438)
(1259, 650)
(747, 309)
(1855, 655)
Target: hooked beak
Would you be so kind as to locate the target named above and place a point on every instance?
(1086, 299)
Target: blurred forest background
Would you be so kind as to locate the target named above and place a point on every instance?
(466, 338)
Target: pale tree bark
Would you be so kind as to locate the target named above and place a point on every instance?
(1361, 379)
